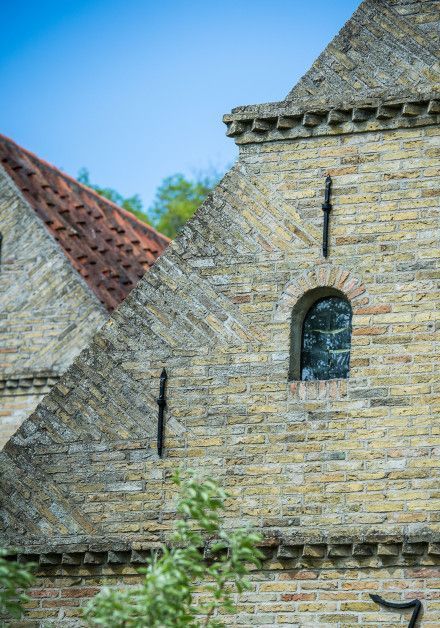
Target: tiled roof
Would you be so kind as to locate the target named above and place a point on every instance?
(107, 245)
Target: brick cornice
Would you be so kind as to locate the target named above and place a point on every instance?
(35, 382)
(319, 551)
(284, 121)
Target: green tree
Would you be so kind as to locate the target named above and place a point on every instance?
(15, 578)
(132, 204)
(166, 597)
(177, 199)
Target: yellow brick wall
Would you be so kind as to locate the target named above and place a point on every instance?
(362, 456)
(305, 597)
(348, 459)
(351, 455)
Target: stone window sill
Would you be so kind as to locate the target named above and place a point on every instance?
(323, 389)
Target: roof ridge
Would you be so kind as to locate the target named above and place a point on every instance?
(124, 212)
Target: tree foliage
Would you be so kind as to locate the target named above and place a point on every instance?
(166, 596)
(176, 200)
(15, 578)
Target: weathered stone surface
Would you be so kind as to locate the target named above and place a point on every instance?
(388, 549)
(314, 551)
(287, 121)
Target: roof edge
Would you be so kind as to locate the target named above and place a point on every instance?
(125, 213)
(21, 198)
(286, 107)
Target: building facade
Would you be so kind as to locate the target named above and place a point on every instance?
(68, 258)
(339, 473)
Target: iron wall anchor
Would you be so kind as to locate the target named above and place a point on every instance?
(326, 208)
(161, 402)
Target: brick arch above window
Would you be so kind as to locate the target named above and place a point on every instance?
(334, 278)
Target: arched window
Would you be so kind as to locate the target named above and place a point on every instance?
(326, 339)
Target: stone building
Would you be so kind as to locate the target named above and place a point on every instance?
(68, 258)
(257, 330)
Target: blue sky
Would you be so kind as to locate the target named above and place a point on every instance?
(135, 90)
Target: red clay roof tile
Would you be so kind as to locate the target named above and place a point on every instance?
(107, 245)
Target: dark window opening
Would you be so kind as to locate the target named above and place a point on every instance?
(326, 340)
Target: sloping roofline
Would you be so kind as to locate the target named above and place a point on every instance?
(107, 245)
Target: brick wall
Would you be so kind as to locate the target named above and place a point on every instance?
(16, 405)
(215, 312)
(346, 458)
(47, 313)
(282, 594)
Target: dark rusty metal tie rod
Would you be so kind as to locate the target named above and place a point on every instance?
(161, 402)
(326, 208)
(416, 604)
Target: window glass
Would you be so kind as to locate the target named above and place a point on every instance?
(326, 340)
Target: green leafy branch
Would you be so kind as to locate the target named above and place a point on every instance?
(15, 578)
(167, 596)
